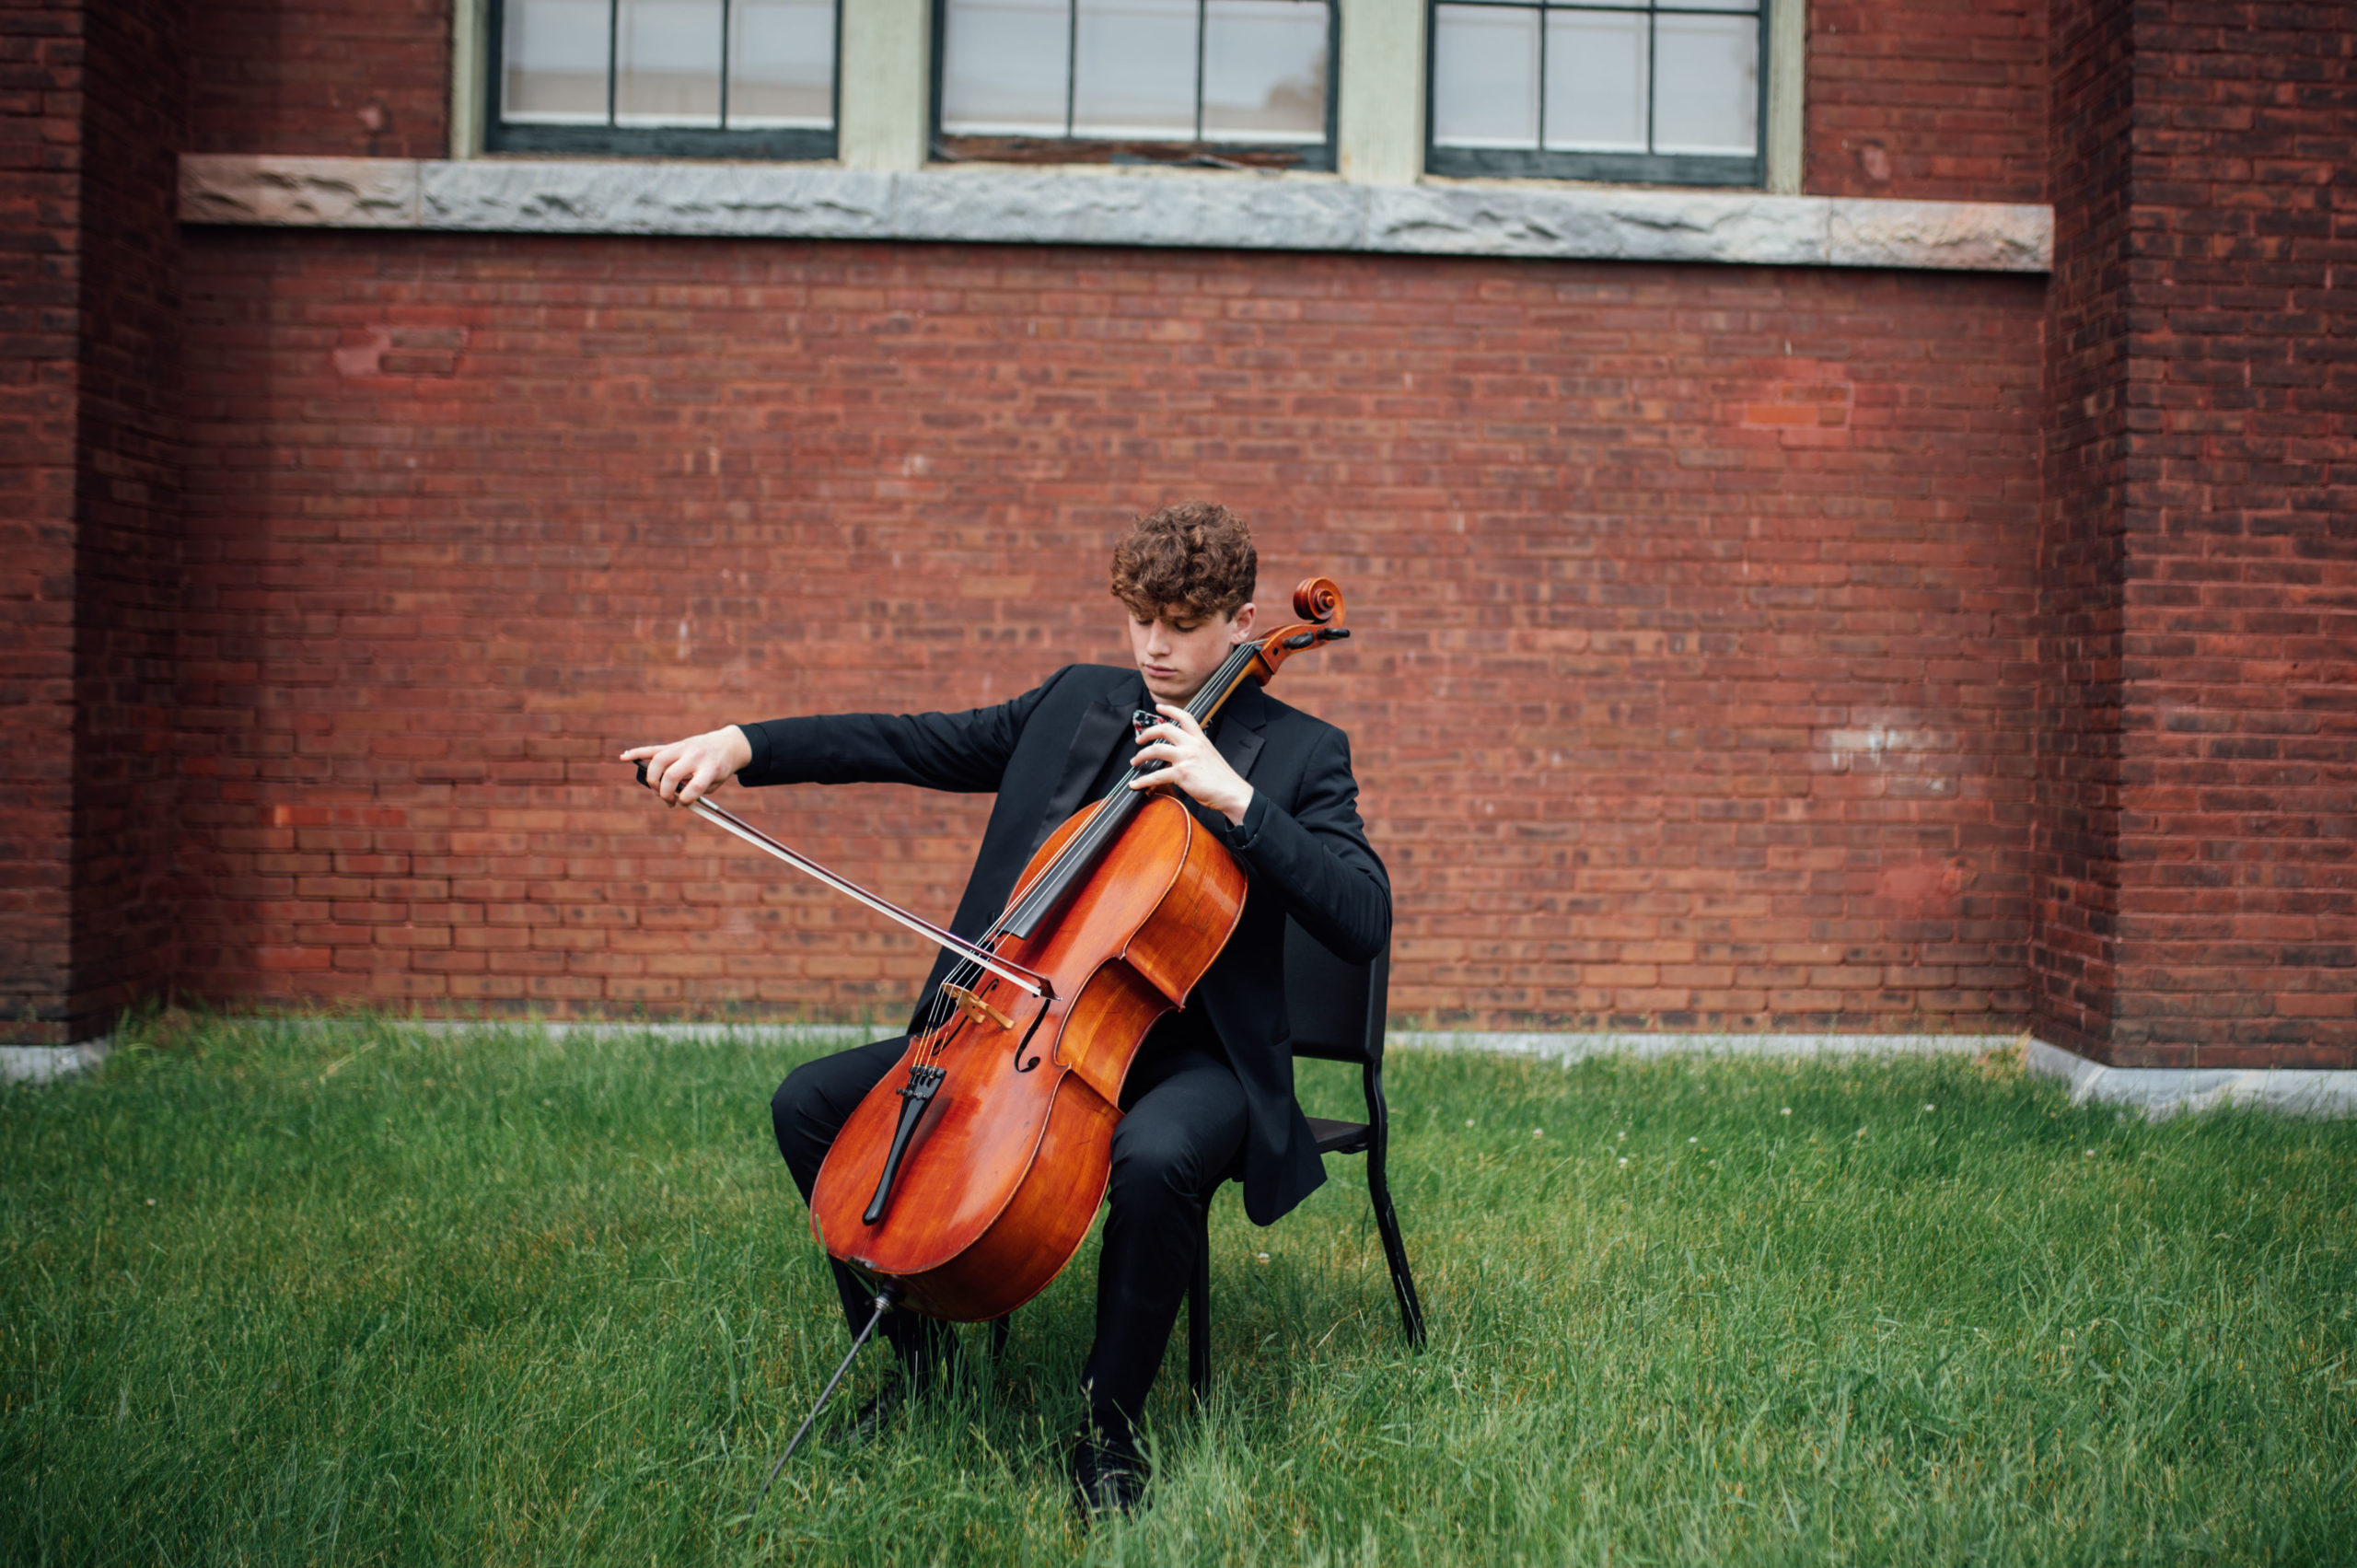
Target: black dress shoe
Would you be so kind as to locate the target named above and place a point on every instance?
(913, 1378)
(1108, 1474)
(879, 1412)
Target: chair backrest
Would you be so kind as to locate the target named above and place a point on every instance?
(1337, 1009)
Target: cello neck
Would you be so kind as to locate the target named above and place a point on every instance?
(1320, 603)
(1119, 803)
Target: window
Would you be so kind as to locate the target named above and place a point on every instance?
(693, 78)
(1165, 81)
(1669, 91)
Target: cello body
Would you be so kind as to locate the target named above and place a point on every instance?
(1003, 1175)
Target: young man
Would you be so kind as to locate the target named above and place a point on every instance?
(1210, 1092)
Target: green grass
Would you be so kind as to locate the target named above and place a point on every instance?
(355, 1295)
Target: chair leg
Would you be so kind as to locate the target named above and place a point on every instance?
(1395, 1252)
(1378, 1191)
(999, 1326)
(1199, 1314)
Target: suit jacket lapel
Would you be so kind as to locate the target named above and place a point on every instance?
(1106, 726)
(1103, 726)
(1239, 727)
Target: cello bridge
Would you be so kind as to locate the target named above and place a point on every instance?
(974, 1007)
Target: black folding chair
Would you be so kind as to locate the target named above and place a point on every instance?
(1338, 1014)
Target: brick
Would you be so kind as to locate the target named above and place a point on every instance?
(2162, 770)
(323, 77)
(1927, 99)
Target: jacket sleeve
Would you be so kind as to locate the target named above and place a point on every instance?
(966, 751)
(1315, 857)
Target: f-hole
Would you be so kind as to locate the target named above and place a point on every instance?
(1022, 1045)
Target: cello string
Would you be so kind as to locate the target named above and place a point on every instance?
(1047, 887)
(1089, 840)
(1085, 845)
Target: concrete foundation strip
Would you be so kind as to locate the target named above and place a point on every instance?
(2158, 1092)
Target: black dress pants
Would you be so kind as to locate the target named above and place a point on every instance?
(1180, 1135)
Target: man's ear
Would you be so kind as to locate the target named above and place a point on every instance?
(1242, 626)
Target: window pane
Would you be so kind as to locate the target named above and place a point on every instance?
(1005, 67)
(1596, 80)
(1706, 77)
(782, 63)
(1485, 77)
(667, 66)
(1750, 8)
(1135, 75)
(1264, 71)
(554, 63)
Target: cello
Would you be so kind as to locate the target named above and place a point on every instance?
(967, 1179)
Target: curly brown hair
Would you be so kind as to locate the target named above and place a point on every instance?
(1197, 556)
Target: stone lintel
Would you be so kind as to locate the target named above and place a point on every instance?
(1178, 208)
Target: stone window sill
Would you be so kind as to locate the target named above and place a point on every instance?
(1113, 205)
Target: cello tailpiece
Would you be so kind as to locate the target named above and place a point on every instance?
(914, 1095)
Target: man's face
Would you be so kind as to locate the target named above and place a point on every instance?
(1177, 650)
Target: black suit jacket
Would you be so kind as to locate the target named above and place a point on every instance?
(1303, 847)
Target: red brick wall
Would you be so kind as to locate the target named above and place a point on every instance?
(40, 114)
(127, 529)
(323, 78)
(2073, 945)
(2238, 829)
(1929, 100)
(1695, 604)
(89, 115)
(2197, 848)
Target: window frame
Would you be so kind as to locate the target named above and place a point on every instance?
(942, 146)
(798, 142)
(1687, 169)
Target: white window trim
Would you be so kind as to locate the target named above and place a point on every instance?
(467, 86)
(1787, 85)
(886, 74)
(1379, 123)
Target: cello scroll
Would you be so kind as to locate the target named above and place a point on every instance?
(1319, 602)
